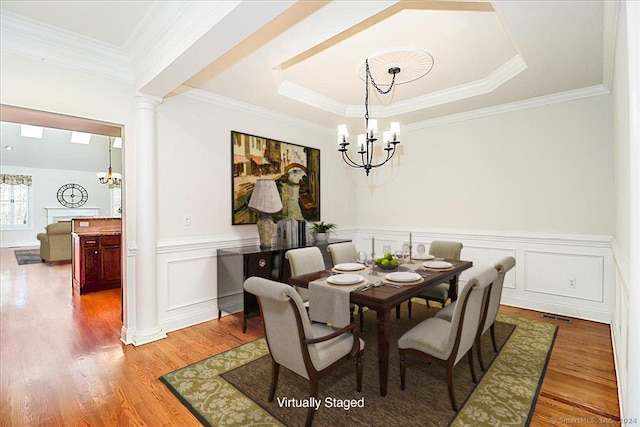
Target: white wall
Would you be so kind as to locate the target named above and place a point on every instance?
(195, 175)
(44, 190)
(547, 169)
(194, 160)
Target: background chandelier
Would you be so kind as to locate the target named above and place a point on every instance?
(109, 177)
(365, 141)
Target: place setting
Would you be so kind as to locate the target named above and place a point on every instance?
(402, 278)
(348, 267)
(437, 265)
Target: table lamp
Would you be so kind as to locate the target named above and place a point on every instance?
(266, 200)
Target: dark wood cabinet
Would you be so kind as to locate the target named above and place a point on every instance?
(237, 264)
(96, 262)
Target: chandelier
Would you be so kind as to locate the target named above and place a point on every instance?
(365, 141)
(109, 177)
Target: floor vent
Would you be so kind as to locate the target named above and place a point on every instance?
(554, 317)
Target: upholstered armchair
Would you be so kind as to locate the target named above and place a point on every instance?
(440, 249)
(55, 243)
(311, 350)
(444, 343)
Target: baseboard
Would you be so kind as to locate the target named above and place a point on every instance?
(565, 310)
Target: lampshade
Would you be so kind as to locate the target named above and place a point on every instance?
(265, 197)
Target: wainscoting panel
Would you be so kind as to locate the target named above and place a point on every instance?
(190, 282)
(544, 265)
(188, 288)
(564, 274)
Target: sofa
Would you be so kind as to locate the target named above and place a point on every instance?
(55, 243)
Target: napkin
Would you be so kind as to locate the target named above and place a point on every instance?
(330, 303)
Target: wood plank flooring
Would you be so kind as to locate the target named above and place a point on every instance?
(62, 363)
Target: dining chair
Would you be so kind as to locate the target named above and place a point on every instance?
(493, 304)
(303, 261)
(311, 350)
(440, 293)
(490, 309)
(342, 253)
(444, 343)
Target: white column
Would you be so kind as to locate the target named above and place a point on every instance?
(146, 327)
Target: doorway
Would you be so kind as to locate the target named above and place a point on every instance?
(57, 161)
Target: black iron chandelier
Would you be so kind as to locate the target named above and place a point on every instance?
(366, 141)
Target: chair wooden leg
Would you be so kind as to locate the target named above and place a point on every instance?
(479, 349)
(312, 410)
(361, 318)
(450, 386)
(275, 370)
(409, 307)
(493, 338)
(398, 311)
(403, 370)
(473, 371)
(359, 373)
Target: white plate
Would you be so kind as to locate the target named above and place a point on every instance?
(422, 257)
(345, 279)
(349, 266)
(402, 276)
(437, 264)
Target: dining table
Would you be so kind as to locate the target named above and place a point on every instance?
(386, 296)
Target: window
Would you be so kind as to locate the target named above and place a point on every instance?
(15, 201)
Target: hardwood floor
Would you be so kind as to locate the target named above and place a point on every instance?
(62, 362)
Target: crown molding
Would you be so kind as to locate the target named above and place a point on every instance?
(245, 107)
(35, 39)
(309, 97)
(512, 106)
(501, 75)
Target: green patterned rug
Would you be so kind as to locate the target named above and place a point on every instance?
(230, 389)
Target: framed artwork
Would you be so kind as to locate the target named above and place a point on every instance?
(294, 168)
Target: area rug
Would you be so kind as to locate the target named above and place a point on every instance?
(231, 389)
(28, 256)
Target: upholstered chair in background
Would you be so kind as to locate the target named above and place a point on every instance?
(446, 250)
(303, 261)
(311, 350)
(342, 253)
(55, 243)
(444, 343)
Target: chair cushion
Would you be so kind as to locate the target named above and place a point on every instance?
(438, 293)
(429, 336)
(447, 312)
(328, 352)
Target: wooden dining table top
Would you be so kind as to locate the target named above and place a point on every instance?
(389, 296)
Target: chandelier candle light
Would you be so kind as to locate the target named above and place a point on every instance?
(109, 177)
(365, 141)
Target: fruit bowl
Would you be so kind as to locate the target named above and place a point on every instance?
(387, 262)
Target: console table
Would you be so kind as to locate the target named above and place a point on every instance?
(237, 264)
